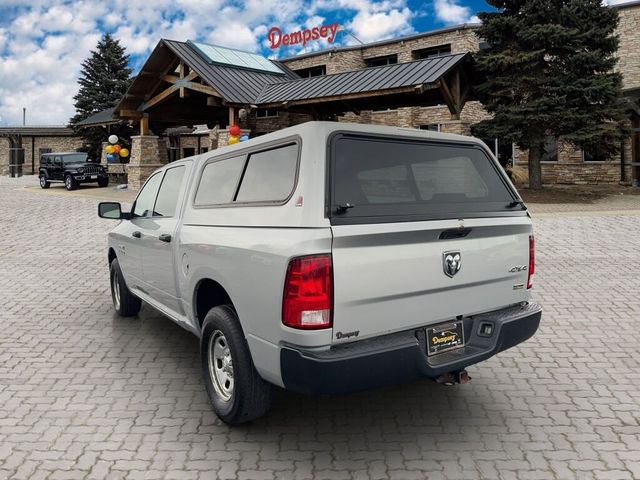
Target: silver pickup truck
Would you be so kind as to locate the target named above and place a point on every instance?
(330, 258)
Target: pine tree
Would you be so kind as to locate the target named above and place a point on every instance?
(104, 79)
(549, 70)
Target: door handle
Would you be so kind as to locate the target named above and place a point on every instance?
(136, 234)
(165, 237)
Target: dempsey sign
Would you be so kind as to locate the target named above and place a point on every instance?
(277, 38)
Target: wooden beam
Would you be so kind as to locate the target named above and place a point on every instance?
(189, 85)
(158, 98)
(214, 102)
(130, 114)
(181, 72)
(232, 116)
(448, 97)
(144, 126)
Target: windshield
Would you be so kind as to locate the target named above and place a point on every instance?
(74, 158)
(377, 177)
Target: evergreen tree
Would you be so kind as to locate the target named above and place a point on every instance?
(549, 70)
(104, 79)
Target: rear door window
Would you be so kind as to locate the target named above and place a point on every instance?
(169, 192)
(378, 177)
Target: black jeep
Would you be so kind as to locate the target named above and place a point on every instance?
(72, 168)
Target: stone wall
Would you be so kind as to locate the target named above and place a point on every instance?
(337, 61)
(147, 154)
(570, 168)
(628, 56)
(32, 145)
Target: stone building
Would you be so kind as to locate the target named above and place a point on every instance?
(35, 141)
(187, 94)
(562, 163)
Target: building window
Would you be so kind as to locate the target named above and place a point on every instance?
(381, 61)
(550, 152)
(188, 152)
(316, 71)
(595, 154)
(204, 149)
(266, 113)
(432, 127)
(431, 52)
(484, 45)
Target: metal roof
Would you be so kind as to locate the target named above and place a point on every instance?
(104, 117)
(388, 77)
(236, 85)
(38, 131)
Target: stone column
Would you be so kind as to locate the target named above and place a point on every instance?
(5, 144)
(147, 154)
(103, 154)
(213, 137)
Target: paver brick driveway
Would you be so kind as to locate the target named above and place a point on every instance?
(84, 394)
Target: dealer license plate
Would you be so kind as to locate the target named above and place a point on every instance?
(443, 338)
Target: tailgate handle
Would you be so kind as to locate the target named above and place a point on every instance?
(454, 233)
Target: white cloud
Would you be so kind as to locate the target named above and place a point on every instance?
(450, 12)
(42, 49)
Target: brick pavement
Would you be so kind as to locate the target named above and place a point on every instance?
(84, 394)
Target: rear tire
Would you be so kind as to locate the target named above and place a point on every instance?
(103, 182)
(70, 183)
(238, 394)
(125, 303)
(44, 183)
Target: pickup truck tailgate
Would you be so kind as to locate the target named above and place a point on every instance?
(390, 277)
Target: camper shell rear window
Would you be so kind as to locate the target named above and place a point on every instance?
(374, 179)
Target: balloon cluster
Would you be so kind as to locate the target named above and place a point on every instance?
(114, 150)
(234, 135)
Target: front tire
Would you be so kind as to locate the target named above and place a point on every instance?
(238, 394)
(103, 182)
(125, 303)
(44, 183)
(70, 183)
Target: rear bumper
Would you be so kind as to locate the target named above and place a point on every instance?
(401, 357)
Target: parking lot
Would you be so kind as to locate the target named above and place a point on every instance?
(84, 394)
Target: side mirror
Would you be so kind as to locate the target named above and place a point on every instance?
(110, 210)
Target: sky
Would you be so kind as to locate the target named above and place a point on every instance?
(43, 42)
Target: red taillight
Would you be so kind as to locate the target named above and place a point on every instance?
(532, 261)
(307, 293)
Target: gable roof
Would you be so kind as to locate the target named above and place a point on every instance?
(104, 117)
(236, 85)
(38, 131)
(389, 77)
(240, 86)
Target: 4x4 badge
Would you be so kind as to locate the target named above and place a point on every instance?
(451, 263)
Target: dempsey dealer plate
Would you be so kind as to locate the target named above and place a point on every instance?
(442, 338)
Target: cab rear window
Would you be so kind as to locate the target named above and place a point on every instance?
(383, 177)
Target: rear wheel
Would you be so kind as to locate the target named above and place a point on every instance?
(125, 303)
(103, 182)
(238, 394)
(70, 183)
(44, 183)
